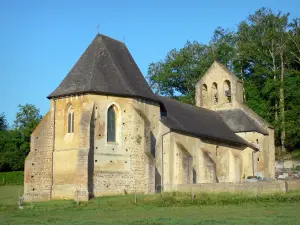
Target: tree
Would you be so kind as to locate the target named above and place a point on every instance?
(263, 42)
(27, 118)
(177, 75)
(294, 38)
(11, 158)
(3, 122)
(223, 47)
(264, 52)
(15, 143)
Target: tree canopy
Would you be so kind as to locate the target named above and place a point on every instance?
(3, 122)
(15, 142)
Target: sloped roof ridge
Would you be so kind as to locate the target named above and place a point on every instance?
(239, 121)
(187, 104)
(103, 38)
(228, 71)
(223, 67)
(116, 63)
(188, 121)
(92, 67)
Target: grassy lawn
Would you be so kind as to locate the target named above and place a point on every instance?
(154, 210)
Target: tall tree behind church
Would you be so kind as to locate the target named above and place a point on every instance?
(263, 43)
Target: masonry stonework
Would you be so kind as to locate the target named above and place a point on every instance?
(38, 176)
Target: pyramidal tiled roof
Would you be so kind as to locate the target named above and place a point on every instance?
(106, 67)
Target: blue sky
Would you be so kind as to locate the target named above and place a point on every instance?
(40, 41)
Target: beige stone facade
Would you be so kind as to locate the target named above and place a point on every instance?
(190, 160)
(71, 156)
(83, 163)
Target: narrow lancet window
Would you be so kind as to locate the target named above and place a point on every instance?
(71, 120)
(111, 124)
(204, 94)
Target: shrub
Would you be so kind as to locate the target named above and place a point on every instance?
(297, 168)
(12, 178)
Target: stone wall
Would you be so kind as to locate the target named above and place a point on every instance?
(128, 165)
(71, 150)
(286, 164)
(268, 143)
(293, 185)
(256, 162)
(83, 163)
(252, 187)
(199, 160)
(38, 163)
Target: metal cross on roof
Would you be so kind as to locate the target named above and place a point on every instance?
(98, 26)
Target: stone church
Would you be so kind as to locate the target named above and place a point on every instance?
(106, 133)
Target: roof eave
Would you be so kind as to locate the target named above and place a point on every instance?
(51, 96)
(244, 131)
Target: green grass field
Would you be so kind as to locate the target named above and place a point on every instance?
(154, 209)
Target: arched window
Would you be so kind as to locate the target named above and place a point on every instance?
(227, 91)
(71, 120)
(112, 124)
(214, 93)
(204, 94)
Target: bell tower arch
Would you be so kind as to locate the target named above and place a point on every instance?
(219, 89)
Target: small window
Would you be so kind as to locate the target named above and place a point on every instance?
(111, 124)
(257, 159)
(71, 120)
(204, 94)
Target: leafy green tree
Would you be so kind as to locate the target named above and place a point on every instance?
(264, 52)
(15, 143)
(177, 75)
(292, 111)
(223, 47)
(263, 44)
(3, 122)
(27, 118)
(11, 158)
(294, 40)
